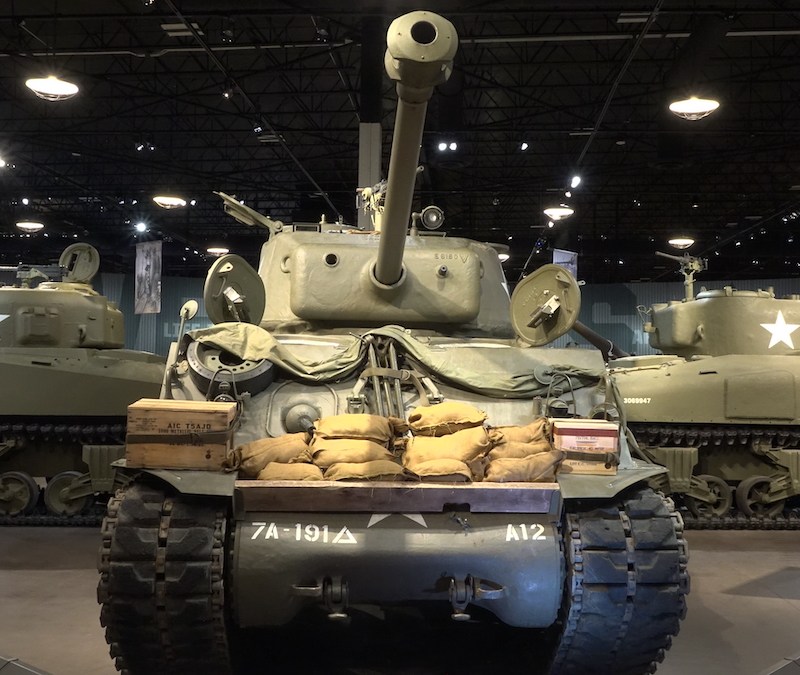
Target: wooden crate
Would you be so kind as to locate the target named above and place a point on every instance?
(168, 434)
(586, 436)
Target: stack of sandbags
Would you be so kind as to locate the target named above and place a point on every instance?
(448, 443)
(523, 454)
(356, 446)
(281, 458)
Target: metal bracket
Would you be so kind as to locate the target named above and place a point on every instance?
(335, 595)
(434, 396)
(462, 592)
(460, 596)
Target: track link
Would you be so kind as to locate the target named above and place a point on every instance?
(626, 586)
(162, 584)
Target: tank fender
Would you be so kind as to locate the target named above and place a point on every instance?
(577, 486)
(189, 482)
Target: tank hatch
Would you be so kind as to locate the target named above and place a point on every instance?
(80, 263)
(545, 305)
(233, 291)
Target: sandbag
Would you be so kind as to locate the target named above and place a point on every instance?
(519, 450)
(463, 446)
(444, 418)
(251, 458)
(539, 468)
(379, 469)
(354, 425)
(442, 470)
(537, 430)
(328, 451)
(297, 471)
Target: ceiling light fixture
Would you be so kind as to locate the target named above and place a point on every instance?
(2, 162)
(575, 182)
(694, 108)
(169, 201)
(681, 243)
(558, 212)
(217, 250)
(30, 226)
(52, 88)
(141, 227)
(523, 146)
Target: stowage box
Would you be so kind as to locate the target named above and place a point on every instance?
(168, 434)
(587, 437)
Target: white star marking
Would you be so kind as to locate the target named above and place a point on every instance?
(418, 518)
(780, 331)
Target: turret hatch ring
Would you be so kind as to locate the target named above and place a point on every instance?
(208, 363)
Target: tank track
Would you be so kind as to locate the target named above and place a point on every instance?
(92, 519)
(788, 520)
(626, 586)
(779, 436)
(80, 433)
(161, 584)
(66, 434)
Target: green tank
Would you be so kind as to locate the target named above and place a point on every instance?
(338, 321)
(68, 383)
(719, 407)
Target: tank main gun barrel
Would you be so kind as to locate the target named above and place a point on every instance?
(420, 47)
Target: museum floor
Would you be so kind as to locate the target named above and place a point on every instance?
(744, 608)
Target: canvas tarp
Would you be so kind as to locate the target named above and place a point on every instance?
(490, 369)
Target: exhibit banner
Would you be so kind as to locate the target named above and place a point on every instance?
(148, 278)
(567, 259)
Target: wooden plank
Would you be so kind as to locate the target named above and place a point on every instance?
(364, 496)
(176, 456)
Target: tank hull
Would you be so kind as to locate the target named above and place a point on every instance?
(62, 421)
(727, 428)
(76, 382)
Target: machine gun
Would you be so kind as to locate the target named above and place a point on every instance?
(690, 265)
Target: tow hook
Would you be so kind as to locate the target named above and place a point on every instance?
(464, 591)
(335, 595)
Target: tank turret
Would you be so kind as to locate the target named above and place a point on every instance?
(63, 310)
(722, 321)
(327, 277)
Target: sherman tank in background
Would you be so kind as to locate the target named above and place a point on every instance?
(67, 383)
(338, 322)
(720, 408)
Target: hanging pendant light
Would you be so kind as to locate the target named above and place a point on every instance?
(694, 108)
(30, 226)
(52, 88)
(169, 201)
(559, 212)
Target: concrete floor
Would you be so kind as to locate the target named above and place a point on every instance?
(744, 608)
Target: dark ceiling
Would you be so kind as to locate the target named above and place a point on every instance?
(584, 84)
